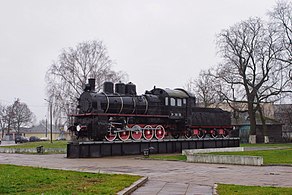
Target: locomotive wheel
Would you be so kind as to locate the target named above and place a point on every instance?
(124, 135)
(110, 136)
(159, 132)
(225, 133)
(148, 132)
(201, 134)
(136, 132)
(188, 135)
(175, 135)
(213, 133)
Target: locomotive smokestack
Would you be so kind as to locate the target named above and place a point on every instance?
(91, 84)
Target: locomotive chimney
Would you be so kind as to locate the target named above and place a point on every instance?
(91, 82)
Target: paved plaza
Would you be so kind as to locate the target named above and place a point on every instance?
(165, 177)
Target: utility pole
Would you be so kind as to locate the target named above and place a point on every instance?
(51, 118)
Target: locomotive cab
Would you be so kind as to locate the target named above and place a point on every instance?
(175, 102)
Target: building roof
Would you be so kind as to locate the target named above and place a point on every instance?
(39, 129)
(243, 119)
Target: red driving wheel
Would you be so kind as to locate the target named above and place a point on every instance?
(124, 135)
(148, 132)
(159, 132)
(136, 132)
(110, 136)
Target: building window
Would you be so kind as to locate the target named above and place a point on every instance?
(172, 101)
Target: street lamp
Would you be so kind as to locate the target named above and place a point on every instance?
(51, 118)
(46, 126)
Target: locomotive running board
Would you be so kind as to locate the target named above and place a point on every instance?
(120, 148)
(120, 115)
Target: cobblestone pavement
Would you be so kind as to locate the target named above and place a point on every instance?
(165, 177)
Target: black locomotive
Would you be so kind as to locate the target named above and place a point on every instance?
(157, 114)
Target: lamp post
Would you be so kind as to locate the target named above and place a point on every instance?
(46, 127)
(51, 118)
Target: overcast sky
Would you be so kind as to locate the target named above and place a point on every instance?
(161, 43)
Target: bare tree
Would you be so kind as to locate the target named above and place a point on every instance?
(205, 88)
(9, 117)
(67, 76)
(279, 84)
(22, 116)
(15, 116)
(2, 118)
(251, 51)
(281, 18)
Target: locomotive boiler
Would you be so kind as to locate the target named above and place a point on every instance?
(118, 113)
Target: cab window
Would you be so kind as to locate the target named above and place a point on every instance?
(184, 101)
(172, 101)
(166, 101)
(179, 102)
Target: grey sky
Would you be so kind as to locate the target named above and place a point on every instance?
(162, 43)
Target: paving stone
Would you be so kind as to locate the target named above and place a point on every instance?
(164, 177)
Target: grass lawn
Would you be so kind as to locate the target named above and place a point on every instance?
(176, 157)
(285, 145)
(228, 189)
(29, 180)
(277, 156)
(283, 156)
(46, 144)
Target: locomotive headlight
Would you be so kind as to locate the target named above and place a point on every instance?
(78, 128)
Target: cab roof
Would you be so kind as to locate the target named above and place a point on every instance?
(178, 93)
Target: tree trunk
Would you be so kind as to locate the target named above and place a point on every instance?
(18, 127)
(264, 125)
(252, 120)
(3, 130)
(8, 127)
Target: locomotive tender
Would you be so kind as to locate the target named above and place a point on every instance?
(157, 114)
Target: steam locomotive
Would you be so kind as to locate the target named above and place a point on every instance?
(121, 114)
